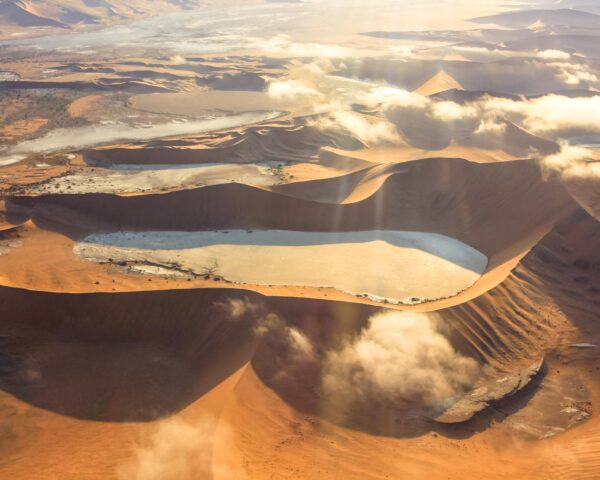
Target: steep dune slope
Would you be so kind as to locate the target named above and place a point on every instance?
(16, 13)
(283, 141)
(128, 331)
(533, 312)
(553, 289)
(453, 197)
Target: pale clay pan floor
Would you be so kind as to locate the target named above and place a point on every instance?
(401, 267)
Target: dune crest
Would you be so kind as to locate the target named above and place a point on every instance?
(440, 82)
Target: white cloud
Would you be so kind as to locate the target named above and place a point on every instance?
(571, 159)
(388, 97)
(399, 356)
(490, 125)
(451, 112)
(537, 26)
(237, 308)
(291, 90)
(291, 340)
(574, 73)
(551, 113)
(178, 60)
(400, 115)
(579, 170)
(283, 45)
(553, 55)
(369, 131)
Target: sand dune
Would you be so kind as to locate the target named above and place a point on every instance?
(509, 76)
(540, 290)
(587, 193)
(350, 188)
(17, 13)
(431, 134)
(118, 318)
(185, 367)
(451, 205)
(250, 241)
(280, 142)
(395, 201)
(562, 261)
(254, 396)
(440, 82)
(62, 139)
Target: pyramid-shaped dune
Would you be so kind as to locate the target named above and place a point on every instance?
(440, 82)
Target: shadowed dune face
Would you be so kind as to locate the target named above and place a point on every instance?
(310, 349)
(537, 299)
(386, 374)
(459, 199)
(15, 13)
(280, 142)
(115, 358)
(144, 367)
(125, 357)
(67, 336)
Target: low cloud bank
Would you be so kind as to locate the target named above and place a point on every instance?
(334, 98)
(579, 170)
(378, 114)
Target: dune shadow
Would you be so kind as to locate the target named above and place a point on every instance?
(142, 356)
(299, 382)
(118, 357)
(441, 196)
